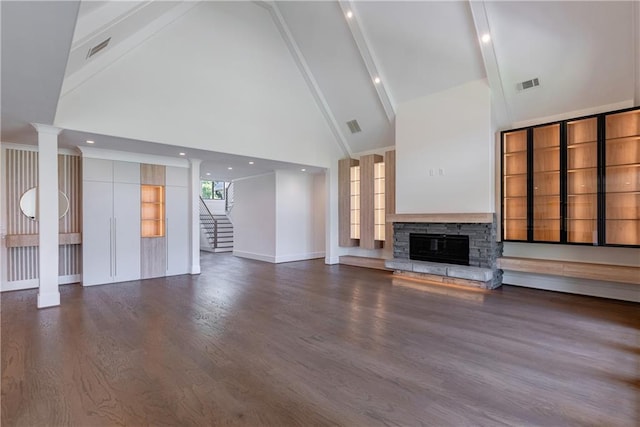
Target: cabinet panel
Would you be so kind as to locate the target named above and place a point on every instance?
(515, 229)
(582, 181)
(177, 223)
(515, 163)
(582, 231)
(580, 156)
(126, 200)
(177, 177)
(97, 263)
(97, 169)
(623, 179)
(126, 172)
(581, 131)
(623, 232)
(584, 206)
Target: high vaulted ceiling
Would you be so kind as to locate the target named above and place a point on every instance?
(585, 55)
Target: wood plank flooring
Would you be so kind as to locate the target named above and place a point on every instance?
(250, 343)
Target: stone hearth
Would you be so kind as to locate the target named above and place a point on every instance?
(484, 249)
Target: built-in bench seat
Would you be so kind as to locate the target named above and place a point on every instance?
(443, 273)
(576, 269)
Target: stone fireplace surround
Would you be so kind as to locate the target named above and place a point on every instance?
(484, 249)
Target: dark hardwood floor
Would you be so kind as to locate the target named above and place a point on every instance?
(250, 343)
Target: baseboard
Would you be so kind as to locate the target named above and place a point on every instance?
(366, 262)
(299, 257)
(19, 285)
(332, 260)
(596, 288)
(258, 257)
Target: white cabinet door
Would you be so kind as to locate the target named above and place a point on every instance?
(177, 214)
(97, 224)
(126, 225)
(176, 177)
(97, 169)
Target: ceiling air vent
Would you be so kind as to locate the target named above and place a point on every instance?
(528, 84)
(97, 48)
(354, 127)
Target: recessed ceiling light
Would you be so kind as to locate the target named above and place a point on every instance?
(90, 141)
(349, 14)
(486, 38)
(303, 170)
(230, 168)
(208, 173)
(376, 80)
(250, 163)
(182, 154)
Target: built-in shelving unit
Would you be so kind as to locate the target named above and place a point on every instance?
(152, 211)
(622, 169)
(575, 181)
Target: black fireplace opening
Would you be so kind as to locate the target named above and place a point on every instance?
(450, 249)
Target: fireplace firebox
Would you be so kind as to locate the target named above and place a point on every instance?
(450, 249)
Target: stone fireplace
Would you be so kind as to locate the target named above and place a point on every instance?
(484, 249)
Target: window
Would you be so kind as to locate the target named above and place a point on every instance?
(212, 190)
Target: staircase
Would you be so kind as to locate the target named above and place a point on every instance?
(217, 228)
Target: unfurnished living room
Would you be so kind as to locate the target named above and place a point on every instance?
(296, 213)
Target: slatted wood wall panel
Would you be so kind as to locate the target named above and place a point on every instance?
(22, 174)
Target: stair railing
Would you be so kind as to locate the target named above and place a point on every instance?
(204, 211)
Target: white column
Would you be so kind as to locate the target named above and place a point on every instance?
(332, 250)
(47, 214)
(194, 192)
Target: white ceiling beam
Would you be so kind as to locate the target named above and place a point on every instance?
(278, 19)
(369, 58)
(502, 114)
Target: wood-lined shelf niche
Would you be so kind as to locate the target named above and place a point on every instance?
(574, 182)
(366, 199)
(152, 211)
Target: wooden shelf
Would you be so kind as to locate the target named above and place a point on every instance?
(469, 218)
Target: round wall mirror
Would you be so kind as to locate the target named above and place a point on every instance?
(29, 204)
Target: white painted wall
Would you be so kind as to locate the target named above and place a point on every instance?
(450, 130)
(219, 78)
(299, 216)
(216, 207)
(254, 218)
(280, 217)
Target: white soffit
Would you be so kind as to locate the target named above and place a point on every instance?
(582, 53)
(423, 47)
